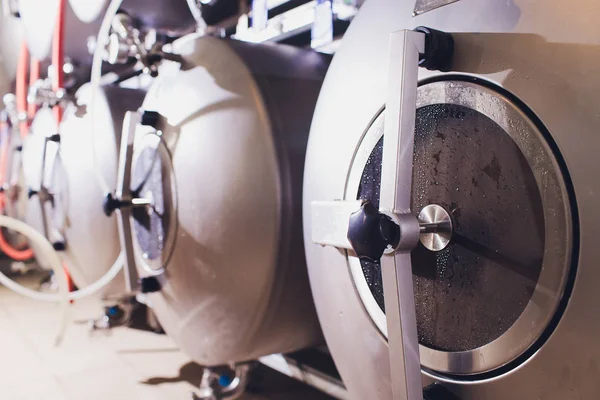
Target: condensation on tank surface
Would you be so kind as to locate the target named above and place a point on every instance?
(471, 292)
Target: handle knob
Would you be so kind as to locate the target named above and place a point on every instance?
(110, 204)
(59, 246)
(54, 138)
(371, 232)
(149, 284)
(150, 118)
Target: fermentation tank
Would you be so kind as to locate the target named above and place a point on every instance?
(504, 152)
(173, 16)
(76, 168)
(89, 157)
(216, 180)
(11, 34)
(82, 20)
(39, 21)
(69, 165)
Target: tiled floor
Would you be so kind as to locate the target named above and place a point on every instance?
(123, 364)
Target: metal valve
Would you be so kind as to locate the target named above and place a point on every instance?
(117, 50)
(10, 106)
(41, 93)
(126, 43)
(371, 232)
(112, 203)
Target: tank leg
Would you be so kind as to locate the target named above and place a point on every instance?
(223, 383)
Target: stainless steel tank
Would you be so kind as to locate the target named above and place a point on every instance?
(173, 16)
(80, 166)
(505, 143)
(82, 21)
(221, 241)
(38, 19)
(11, 36)
(88, 154)
(87, 10)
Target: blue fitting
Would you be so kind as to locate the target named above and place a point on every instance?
(224, 380)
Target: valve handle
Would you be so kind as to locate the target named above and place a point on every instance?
(110, 203)
(149, 284)
(370, 232)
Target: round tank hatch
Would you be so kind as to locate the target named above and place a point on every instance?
(491, 293)
(154, 225)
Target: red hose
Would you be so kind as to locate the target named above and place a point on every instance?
(21, 89)
(5, 247)
(34, 75)
(58, 56)
(22, 108)
(70, 283)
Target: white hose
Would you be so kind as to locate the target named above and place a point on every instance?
(44, 246)
(76, 295)
(63, 296)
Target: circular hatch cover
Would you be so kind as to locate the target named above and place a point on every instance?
(154, 225)
(487, 297)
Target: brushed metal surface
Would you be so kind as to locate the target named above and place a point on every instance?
(92, 238)
(84, 17)
(528, 291)
(38, 19)
(525, 47)
(11, 36)
(89, 10)
(237, 119)
(173, 16)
